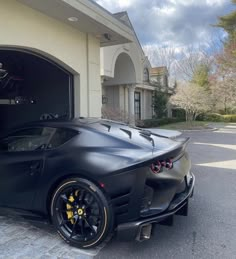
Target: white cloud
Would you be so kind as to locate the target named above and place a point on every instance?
(199, 2)
(171, 22)
(166, 10)
(117, 5)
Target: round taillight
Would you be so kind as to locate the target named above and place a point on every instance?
(169, 164)
(156, 167)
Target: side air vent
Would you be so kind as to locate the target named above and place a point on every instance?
(121, 202)
(128, 132)
(107, 126)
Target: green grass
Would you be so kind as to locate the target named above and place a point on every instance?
(186, 125)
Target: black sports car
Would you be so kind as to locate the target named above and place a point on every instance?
(90, 177)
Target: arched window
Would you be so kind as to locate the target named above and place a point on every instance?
(145, 75)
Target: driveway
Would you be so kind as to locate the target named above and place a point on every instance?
(210, 229)
(208, 232)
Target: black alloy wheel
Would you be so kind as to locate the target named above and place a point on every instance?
(81, 213)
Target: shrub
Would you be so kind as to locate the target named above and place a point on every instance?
(113, 114)
(158, 122)
(179, 113)
(216, 117)
(230, 118)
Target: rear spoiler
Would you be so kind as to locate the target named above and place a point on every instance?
(176, 151)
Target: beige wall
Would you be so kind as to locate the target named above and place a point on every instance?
(109, 57)
(76, 51)
(117, 70)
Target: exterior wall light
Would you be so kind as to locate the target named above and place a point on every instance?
(73, 19)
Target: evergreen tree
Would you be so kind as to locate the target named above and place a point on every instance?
(160, 100)
(201, 76)
(228, 23)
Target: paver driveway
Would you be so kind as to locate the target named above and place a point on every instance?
(208, 232)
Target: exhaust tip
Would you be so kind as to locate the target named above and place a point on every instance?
(144, 232)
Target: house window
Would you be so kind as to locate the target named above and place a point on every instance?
(145, 75)
(137, 105)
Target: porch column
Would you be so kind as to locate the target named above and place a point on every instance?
(169, 110)
(144, 105)
(131, 89)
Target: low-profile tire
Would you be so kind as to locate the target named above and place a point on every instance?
(81, 213)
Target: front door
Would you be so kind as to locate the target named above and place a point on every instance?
(21, 166)
(19, 175)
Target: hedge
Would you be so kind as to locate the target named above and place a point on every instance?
(230, 118)
(216, 117)
(158, 122)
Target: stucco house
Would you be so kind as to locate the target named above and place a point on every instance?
(125, 74)
(69, 58)
(51, 53)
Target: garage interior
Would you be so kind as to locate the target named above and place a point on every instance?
(32, 88)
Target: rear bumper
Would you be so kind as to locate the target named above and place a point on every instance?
(132, 230)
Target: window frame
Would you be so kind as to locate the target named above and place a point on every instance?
(137, 105)
(48, 142)
(14, 134)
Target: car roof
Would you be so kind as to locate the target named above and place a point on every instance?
(116, 129)
(84, 122)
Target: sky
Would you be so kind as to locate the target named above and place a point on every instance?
(172, 23)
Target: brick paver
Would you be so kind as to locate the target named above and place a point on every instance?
(23, 239)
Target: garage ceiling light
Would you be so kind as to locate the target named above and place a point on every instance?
(73, 19)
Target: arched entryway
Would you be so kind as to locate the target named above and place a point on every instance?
(32, 87)
(118, 92)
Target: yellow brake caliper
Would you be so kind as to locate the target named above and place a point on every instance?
(70, 214)
(69, 211)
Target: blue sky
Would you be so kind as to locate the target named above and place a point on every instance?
(175, 23)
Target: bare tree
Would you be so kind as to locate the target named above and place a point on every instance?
(223, 82)
(162, 56)
(223, 95)
(190, 58)
(191, 98)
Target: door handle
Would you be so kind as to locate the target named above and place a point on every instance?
(35, 168)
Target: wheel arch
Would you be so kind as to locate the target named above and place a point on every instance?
(63, 178)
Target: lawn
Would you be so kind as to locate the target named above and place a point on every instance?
(196, 125)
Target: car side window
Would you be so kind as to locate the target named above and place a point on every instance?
(60, 137)
(27, 140)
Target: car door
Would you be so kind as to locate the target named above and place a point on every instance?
(22, 156)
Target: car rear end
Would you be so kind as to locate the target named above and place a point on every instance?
(152, 191)
(147, 177)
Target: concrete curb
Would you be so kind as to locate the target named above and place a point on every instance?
(202, 130)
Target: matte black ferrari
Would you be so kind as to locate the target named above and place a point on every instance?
(93, 177)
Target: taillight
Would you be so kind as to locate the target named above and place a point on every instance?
(159, 165)
(169, 164)
(156, 167)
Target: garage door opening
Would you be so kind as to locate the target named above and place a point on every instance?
(32, 88)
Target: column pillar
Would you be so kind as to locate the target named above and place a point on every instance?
(144, 105)
(169, 110)
(131, 89)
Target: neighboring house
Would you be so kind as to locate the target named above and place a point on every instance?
(125, 70)
(159, 76)
(51, 51)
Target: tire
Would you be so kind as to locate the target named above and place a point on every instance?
(81, 213)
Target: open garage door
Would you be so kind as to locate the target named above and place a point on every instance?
(32, 87)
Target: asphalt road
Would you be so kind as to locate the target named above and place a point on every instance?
(208, 232)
